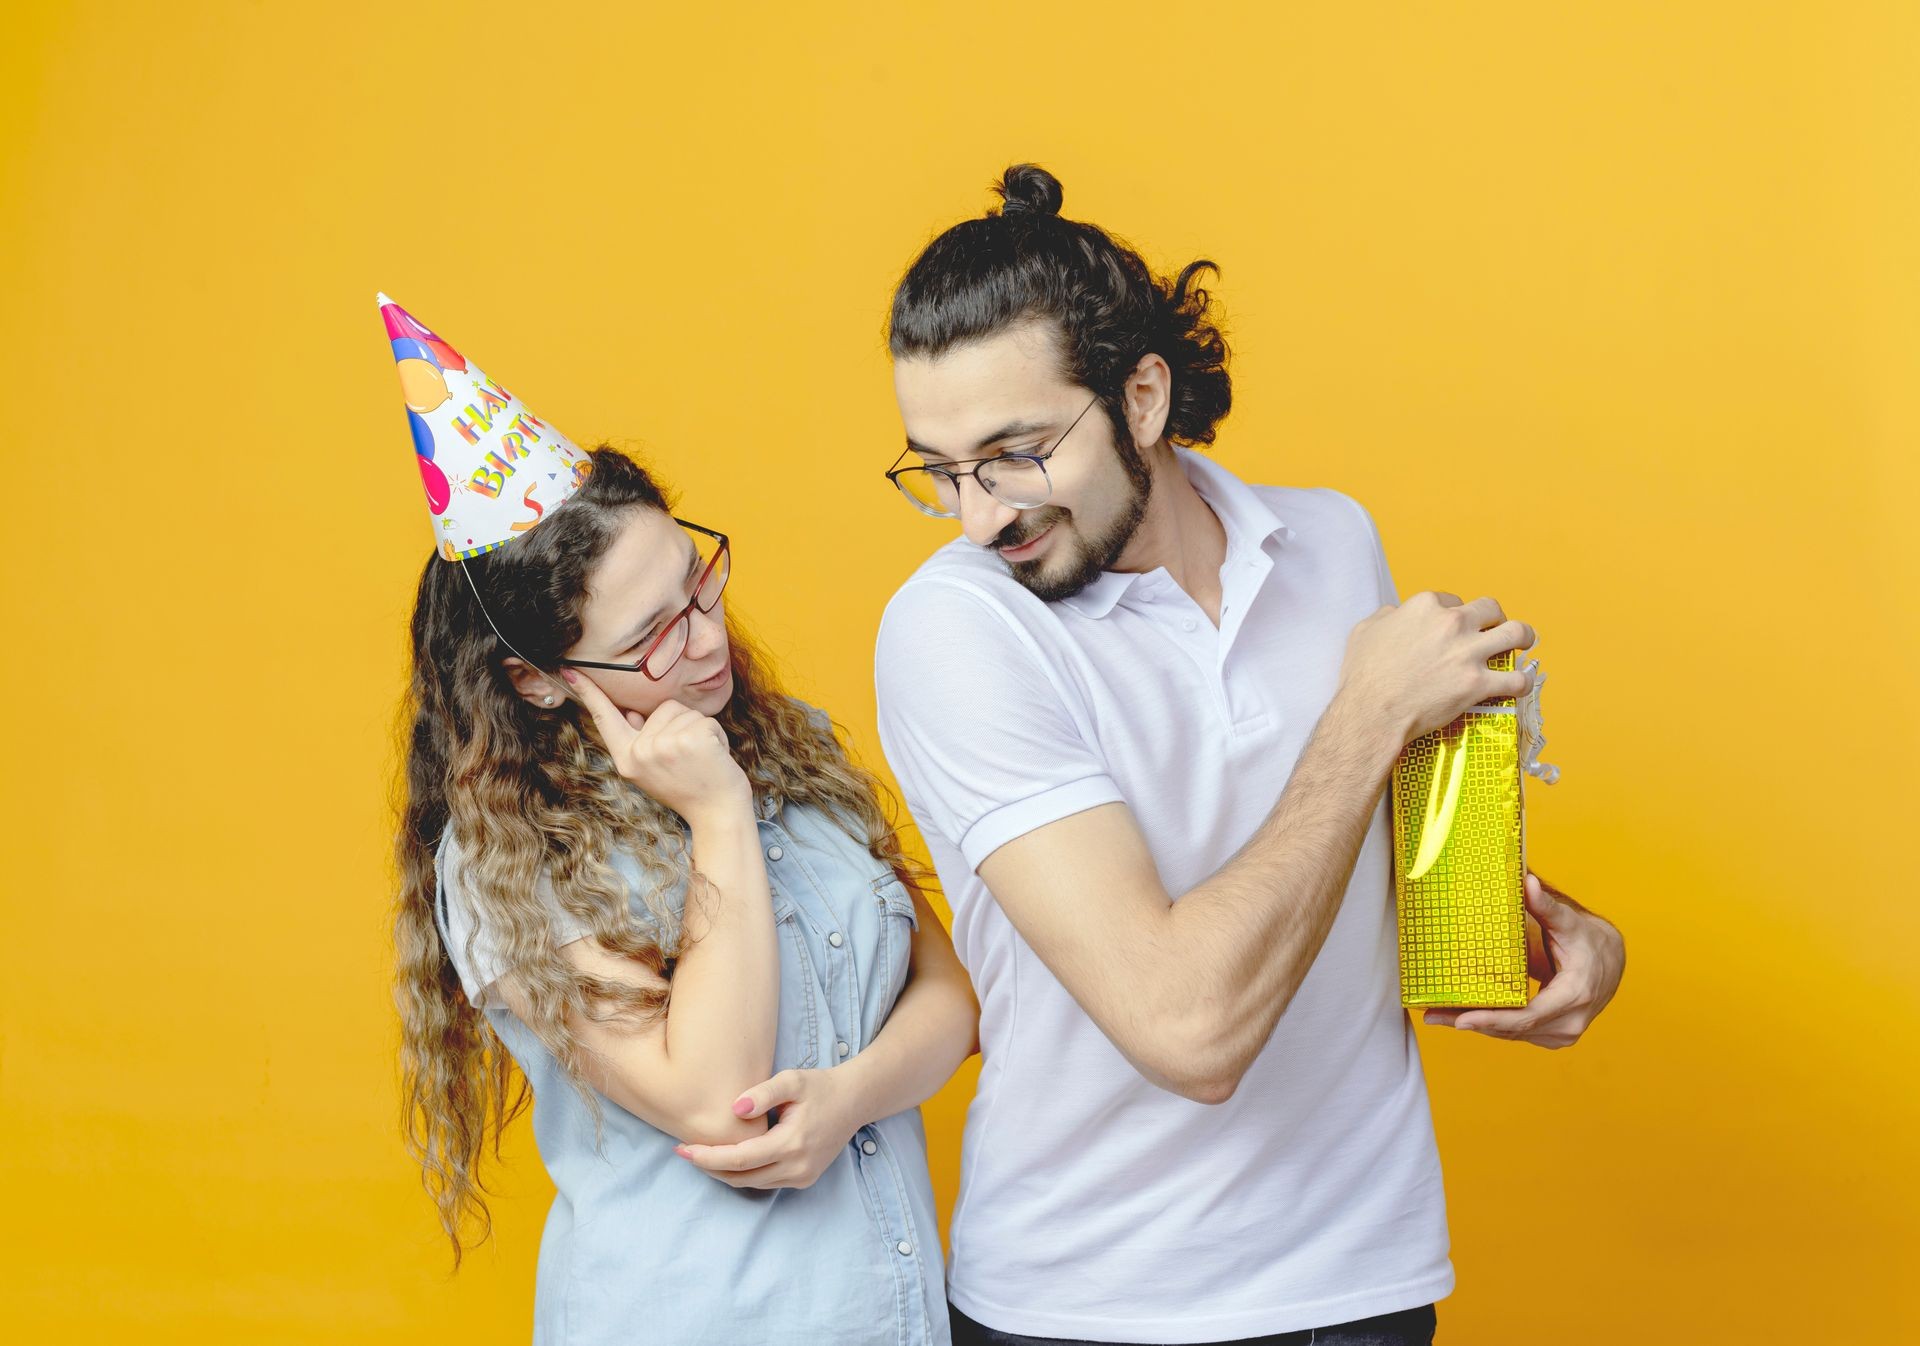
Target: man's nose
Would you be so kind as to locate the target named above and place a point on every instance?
(981, 516)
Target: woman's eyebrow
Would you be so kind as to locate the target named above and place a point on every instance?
(693, 562)
(1007, 431)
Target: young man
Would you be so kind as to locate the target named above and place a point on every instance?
(1144, 714)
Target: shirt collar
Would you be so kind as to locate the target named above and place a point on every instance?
(1102, 592)
(1248, 520)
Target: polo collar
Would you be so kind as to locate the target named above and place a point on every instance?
(1248, 520)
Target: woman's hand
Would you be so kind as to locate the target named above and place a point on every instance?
(816, 1121)
(676, 754)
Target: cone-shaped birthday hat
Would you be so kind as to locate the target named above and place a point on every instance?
(492, 470)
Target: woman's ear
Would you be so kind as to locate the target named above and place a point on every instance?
(1149, 399)
(534, 687)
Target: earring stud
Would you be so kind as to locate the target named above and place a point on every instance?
(546, 701)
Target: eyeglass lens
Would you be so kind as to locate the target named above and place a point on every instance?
(673, 641)
(1020, 483)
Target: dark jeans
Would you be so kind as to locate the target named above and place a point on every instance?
(1408, 1327)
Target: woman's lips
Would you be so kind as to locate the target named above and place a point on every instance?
(709, 684)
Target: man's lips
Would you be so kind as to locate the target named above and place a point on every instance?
(1025, 549)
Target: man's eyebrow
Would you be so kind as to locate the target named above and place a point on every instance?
(693, 561)
(1007, 431)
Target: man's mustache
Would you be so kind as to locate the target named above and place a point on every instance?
(1020, 532)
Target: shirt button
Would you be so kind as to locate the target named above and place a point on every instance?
(1187, 625)
(905, 1249)
(774, 852)
(842, 1048)
(868, 1147)
(835, 939)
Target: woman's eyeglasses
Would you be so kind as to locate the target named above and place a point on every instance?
(1018, 480)
(666, 648)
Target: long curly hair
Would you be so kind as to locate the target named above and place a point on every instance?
(1024, 260)
(533, 797)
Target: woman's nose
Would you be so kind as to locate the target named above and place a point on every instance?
(709, 631)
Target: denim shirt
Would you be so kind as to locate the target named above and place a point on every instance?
(642, 1246)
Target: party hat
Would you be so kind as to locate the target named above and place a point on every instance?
(491, 469)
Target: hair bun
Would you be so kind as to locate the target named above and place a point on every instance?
(1028, 189)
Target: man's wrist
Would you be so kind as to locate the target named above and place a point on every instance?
(1372, 737)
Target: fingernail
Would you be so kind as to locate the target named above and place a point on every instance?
(742, 1106)
(569, 675)
(681, 1150)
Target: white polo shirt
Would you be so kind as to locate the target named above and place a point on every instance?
(1093, 1204)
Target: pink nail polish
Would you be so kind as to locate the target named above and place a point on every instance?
(742, 1106)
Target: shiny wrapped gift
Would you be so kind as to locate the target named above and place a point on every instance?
(1460, 852)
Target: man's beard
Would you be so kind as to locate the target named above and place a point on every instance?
(1095, 554)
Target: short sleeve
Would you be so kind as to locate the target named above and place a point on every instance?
(975, 723)
(472, 944)
(1389, 596)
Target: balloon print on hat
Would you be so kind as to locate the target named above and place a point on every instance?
(479, 450)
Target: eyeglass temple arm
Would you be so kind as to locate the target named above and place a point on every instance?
(559, 683)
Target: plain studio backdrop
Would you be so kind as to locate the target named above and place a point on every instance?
(1605, 309)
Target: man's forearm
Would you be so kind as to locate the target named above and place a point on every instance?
(1254, 927)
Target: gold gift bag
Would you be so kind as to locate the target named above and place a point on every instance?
(1460, 852)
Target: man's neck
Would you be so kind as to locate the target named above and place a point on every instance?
(1179, 531)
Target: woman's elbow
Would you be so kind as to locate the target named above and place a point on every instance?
(966, 1020)
(959, 1011)
(715, 1127)
(695, 1116)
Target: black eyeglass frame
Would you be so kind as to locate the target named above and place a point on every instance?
(724, 550)
(895, 472)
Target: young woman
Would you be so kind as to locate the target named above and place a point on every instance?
(634, 870)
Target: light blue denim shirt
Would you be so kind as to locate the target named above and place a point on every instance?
(640, 1245)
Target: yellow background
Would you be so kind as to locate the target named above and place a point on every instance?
(1606, 309)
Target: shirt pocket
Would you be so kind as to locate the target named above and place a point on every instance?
(796, 1044)
(898, 922)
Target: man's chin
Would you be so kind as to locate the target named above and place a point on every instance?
(1060, 574)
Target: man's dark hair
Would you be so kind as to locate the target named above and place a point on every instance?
(1023, 261)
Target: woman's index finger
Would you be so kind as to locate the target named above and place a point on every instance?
(613, 725)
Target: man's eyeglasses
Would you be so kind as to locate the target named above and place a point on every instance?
(1018, 480)
(666, 648)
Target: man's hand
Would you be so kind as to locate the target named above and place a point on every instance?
(813, 1128)
(1584, 959)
